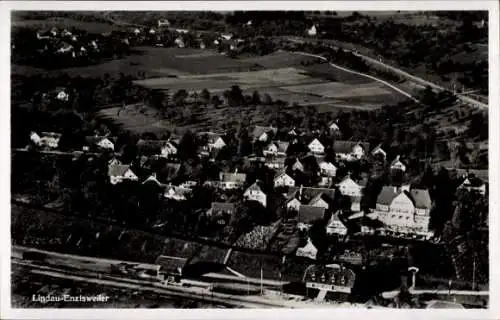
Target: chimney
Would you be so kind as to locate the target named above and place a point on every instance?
(300, 193)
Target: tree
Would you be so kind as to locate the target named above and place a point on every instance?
(267, 100)
(256, 98)
(205, 96)
(180, 97)
(188, 146)
(216, 101)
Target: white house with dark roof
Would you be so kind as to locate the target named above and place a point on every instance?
(397, 164)
(297, 165)
(404, 211)
(349, 150)
(231, 180)
(117, 173)
(349, 187)
(262, 134)
(281, 179)
(334, 128)
(46, 139)
(308, 251)
(327, 169)
(378, 151)
(100, 142)
(276, 148)
(255, 193)
(472, 183)
(336, 226)
(316, 147)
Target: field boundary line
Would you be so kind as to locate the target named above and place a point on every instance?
(358, 73)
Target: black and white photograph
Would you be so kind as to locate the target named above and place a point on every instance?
(253, 158)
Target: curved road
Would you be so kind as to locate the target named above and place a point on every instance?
(358, 73)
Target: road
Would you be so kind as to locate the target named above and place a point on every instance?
(359, 73)
(398, 71)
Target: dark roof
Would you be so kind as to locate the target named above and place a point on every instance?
(387, 194)
(223, 206)
(481, 174)
(322, 196)
(342, 146)
(472, 181)
(96, 139)
(231, 176)
(117, 170)
(309, 214)
(309, 193)
(255, 186)
(171, 264)
(259, 130)
(421, 198)
(281, 145)
(50, 134)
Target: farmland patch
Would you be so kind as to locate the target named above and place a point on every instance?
(341, 90)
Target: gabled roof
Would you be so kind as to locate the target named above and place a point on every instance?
(255, 187)
(421, 198)
(309, 214)
(472, 181)
(321, 196)
(232, 177)
(315, 140)
(117, 170)
(396, 160)
(342, 146)
(96, 139)
(259, 130)
(387, 194)
(442, 304)
(282, 146)
(280, 173)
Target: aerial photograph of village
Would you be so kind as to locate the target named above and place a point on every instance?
(249, 159)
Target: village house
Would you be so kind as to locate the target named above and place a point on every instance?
(275, 162)
(378, 151)
(46, 139)
(472, 183)
(160, 148)
(316, 147)
(176, 193)
(276, 148)
(334, 128)
(163, 23)
(263, 133)
(99, 142)
(117, 173)
(355, 203)
(312, 31)
(64, 47)
(179, 42)
(221, 212)
(308, 251)
(255, 193)
(309, 214)
(396, 164)
(297, 166)
(404, 211)
(327, 169)
(306, 194)
(153, 179)
(321, 200)
(349, 150)
(228, 180)
(281, 179)
(349, 187)
(214, 141)
(293, 204)
(335, 226)
(61, 94)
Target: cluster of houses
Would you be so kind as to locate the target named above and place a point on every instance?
(66, 42)
(401, 210)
